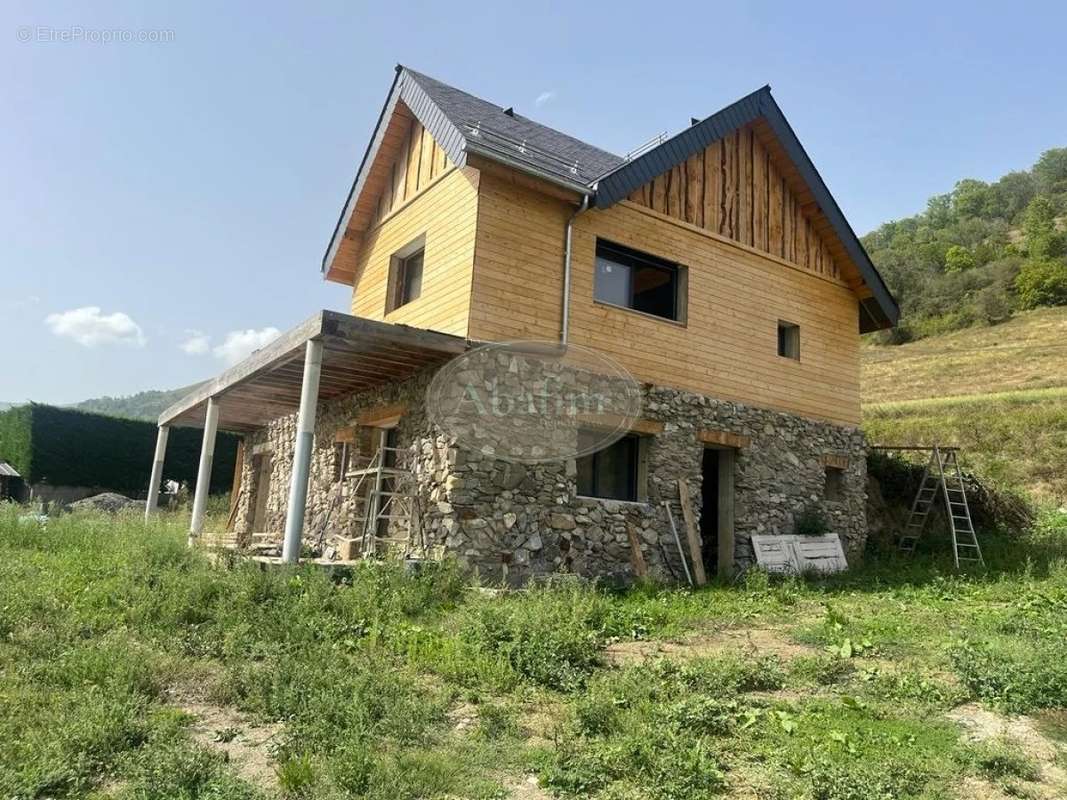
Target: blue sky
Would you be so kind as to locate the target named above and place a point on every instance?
(186, 189)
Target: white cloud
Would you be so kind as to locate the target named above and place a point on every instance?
(89, 327)
(545, 97)
(196, 343)
(240, 344)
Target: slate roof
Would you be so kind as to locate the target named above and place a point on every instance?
(462, 123)
(547, 148)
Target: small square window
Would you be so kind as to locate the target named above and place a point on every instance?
(631, 279)
(789, 340)
(834, 487)
(405, 279)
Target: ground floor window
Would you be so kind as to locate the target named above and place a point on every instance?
(612, 473)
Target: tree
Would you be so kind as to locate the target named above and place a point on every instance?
(973, 198)
(939, 210)
(1039, 229)
(958, 259)
(1050, 171)
(1042, 283)
(1013, 192)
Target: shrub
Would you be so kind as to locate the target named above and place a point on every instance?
(992, 305)
(1002, 758)
(552, 639)
(1042, 283)
(1018, 677)
(958, 259)
(811, 522)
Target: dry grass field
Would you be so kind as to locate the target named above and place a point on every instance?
(998, 392)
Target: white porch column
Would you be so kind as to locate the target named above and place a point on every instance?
(305, 434)
(157, 472)
(203, 474)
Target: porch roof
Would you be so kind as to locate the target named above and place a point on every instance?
(358, 354)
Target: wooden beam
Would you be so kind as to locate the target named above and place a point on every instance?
(377, 417)
(695, 551)
(637, 558)
(723, 438)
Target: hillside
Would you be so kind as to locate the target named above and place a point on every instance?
(999, 392)
(978, 253)
(143, 405)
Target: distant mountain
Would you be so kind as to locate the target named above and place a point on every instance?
(143, 405)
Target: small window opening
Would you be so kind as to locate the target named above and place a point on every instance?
(789, 340)
(613, 473)
(406, 279)
(834, 487)
(639, 281)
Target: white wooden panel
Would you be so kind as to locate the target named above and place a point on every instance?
(797, 554)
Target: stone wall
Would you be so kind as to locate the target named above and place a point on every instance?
(510, 522)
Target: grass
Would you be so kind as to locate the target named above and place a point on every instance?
(107, 627)
(998, 392)
(1018, 439)
(1026, 352)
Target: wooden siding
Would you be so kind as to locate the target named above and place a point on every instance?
(735, 188)
(737, 293)
(418, 163)
(445, 213)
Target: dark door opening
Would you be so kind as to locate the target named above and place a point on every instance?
(717, 511)
(709, 511)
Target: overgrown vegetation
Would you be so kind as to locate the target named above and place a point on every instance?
(978, 253)
(109, 629)
(64, 447)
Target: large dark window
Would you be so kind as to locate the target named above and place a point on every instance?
(612, 472)
(636, 280)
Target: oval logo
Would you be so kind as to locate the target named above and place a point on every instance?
(534, 401)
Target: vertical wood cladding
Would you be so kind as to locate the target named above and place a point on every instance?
(734, 188)
(419, 162)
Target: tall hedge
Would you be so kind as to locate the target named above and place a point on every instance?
(65, 447)
(15, 438)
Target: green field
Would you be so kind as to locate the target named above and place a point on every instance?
(998, 392)
(131, 667)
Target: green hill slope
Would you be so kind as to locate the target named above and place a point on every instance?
(143, 405)
(998, 392)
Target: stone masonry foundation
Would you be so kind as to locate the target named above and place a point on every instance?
(510, 522)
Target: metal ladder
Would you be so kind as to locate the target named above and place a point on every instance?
(943, 476)
(388, 502)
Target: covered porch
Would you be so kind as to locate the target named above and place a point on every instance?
(328, 356)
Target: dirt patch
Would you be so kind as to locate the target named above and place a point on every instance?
(732, 641)
(244, 744)
(980, 724)
(527, 788)
(463, 717)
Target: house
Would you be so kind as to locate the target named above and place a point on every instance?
(713, 266)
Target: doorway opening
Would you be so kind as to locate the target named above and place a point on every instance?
(261, 468)
(717, 511)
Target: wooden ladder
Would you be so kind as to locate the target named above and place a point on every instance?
(943, 477)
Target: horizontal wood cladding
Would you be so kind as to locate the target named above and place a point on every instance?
(737, 295)
(445, 214)
(735, 188)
